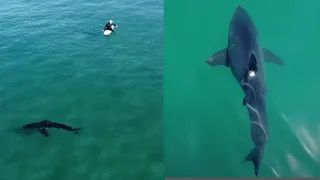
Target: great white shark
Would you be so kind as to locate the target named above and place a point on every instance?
(43, 126)
(245, 57)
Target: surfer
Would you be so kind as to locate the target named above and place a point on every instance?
(109, 25)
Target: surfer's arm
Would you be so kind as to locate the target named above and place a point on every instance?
(114, 24)
(105, 27)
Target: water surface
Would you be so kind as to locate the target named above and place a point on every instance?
(57, 65)
(207, 130)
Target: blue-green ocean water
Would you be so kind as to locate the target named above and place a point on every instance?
(207, 129)
(56, 64)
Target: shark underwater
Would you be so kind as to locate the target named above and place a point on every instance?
(245, 57)
(43, 126)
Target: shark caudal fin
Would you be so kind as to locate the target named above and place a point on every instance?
(76, 130)
(255, 156)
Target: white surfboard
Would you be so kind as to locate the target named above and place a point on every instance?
(108, 32)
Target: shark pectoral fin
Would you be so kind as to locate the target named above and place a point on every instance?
(219, 58)
(44, 132)
(269, 56)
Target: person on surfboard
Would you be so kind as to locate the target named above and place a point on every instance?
(109, 25)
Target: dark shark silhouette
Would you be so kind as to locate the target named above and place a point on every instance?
(42, 127)
(245, 57)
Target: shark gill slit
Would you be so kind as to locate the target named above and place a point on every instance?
(259, 124)
(254, 92)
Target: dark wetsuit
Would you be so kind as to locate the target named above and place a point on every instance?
(108, 26)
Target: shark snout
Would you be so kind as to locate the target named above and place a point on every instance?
(240, 14)
(239, 8)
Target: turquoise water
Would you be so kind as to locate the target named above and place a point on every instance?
(207, 129)
(57, 65)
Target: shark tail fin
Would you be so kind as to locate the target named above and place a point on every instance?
(76, 130)
(255, 156)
